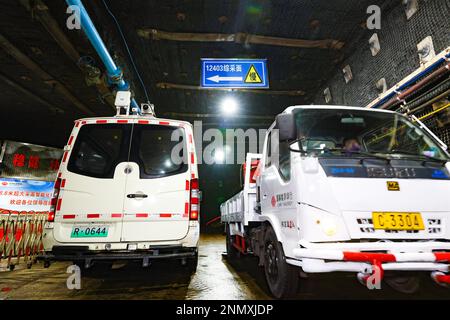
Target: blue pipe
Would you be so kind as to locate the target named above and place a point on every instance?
(406, 85)
(114, 73)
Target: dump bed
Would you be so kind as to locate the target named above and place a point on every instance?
(241, 207)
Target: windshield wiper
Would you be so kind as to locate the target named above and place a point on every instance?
(362, 153)
(423, 157)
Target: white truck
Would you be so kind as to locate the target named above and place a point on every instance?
(344, 189)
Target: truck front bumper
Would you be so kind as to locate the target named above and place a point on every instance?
(364, 258)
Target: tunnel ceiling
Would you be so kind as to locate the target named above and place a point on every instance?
(45, 89)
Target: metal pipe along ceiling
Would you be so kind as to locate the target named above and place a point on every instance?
(115, 74)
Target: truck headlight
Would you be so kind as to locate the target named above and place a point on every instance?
(329, 226)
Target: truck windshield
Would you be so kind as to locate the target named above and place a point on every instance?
(360, 133)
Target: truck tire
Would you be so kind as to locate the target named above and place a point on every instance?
(281, 277)
(191, 264)
(232, 252)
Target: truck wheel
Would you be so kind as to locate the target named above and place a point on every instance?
(281, 277)
(404, 284)
(232, 252)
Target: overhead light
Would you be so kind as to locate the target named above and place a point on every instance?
(229, 106)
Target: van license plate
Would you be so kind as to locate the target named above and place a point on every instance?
(89, 232)
(397, 221)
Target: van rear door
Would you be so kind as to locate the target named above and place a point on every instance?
(90, 205)
(157, 188)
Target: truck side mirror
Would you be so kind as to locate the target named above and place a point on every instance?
(285, 123)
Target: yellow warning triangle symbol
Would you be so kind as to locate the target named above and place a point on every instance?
(252, 76)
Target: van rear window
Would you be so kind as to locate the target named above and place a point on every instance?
(98, 150)
(160, 150)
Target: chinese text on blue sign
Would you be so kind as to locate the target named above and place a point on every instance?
(234, 73)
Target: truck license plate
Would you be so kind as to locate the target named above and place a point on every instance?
(89, 232)
(397, 221)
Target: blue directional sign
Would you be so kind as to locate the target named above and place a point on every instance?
(234, 73)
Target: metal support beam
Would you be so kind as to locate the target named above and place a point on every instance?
(41, 12)
(166, 85)
(242, 38)
(29, 94)
(48, 79)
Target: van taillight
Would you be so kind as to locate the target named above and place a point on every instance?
(54, 201)
(195, 201)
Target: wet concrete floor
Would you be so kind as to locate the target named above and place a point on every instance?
(215, 278)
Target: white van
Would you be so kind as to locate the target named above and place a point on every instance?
(127, 189)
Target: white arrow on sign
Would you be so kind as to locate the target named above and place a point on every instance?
(218, 79)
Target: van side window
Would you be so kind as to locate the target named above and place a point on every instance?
(97, 150)
(269, 150)
(154, 150)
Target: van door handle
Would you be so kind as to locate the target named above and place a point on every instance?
(136, 195)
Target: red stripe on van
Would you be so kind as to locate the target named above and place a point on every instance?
(58, 205)
(101, 121)
(68, 216)
(63, 183)
(59, 174)
(141, 215)
(193, 175)
(165, 215)
(192, 158)
(143, 121)
(93, 215)
(164, 123)
(116, 215)
(84, 122)
(65, 156)
(122, 121)
(186, 207)
(77, 124)
(190, 138)
(70, 140)
(187, 184)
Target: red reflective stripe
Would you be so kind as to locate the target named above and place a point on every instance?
(58, 205)
(192, 157)
(65, 156)
(164, 123)
(187, 184)
(70, 140)
(165, 215)
(143, 121)
(141, 215)
(122, 121)
(63, 183)
(190, 138)
(442, 256)
(59, 174)
(77, 124)
(84, 122)
(68, 216)
(116, 215)
(442, 278)
(369, 257)
(93, 215)
(101, 121)
(193, 175)
(186, 208)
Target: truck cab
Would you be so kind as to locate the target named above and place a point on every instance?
(341, 189)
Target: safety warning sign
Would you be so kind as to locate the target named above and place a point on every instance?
(235, 73)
